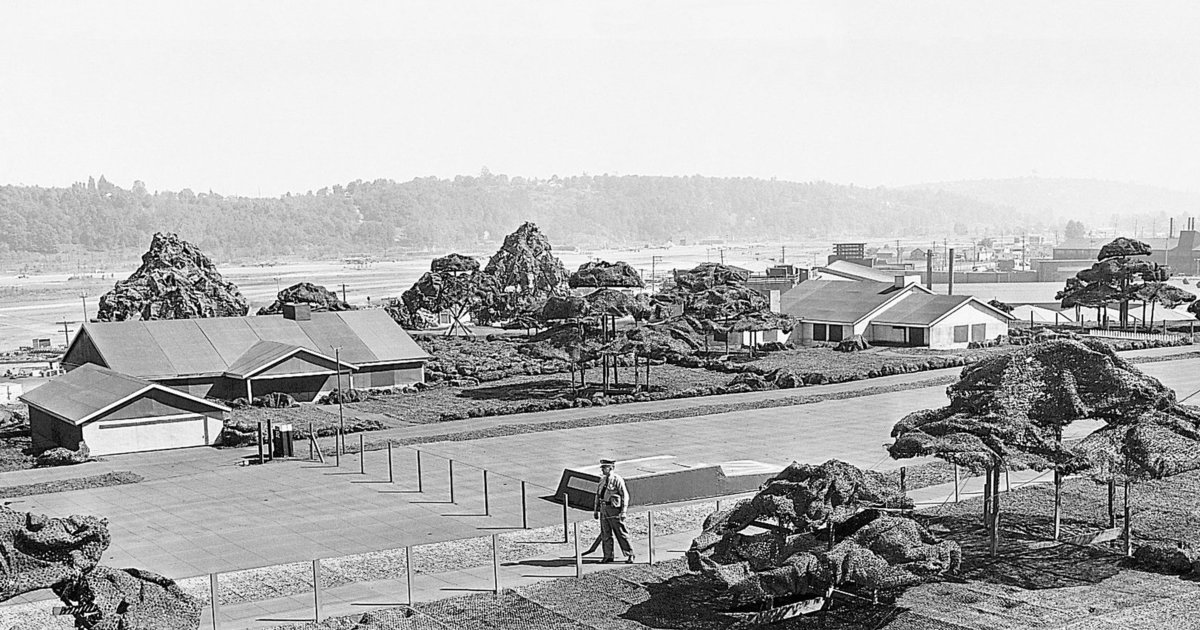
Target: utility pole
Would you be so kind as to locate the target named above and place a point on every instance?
(654, 260)
(66, 331)
(337, 357)
(721, 250)
(83, 296)
(343, 291)
(783, 254)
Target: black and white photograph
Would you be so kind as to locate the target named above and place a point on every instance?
(627, 315)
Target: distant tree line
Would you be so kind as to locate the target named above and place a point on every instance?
(443, 213)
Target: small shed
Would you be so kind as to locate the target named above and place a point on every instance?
(118, 413)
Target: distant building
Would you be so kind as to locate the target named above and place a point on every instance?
(1181, 254)
(897, 313)
(846, 270)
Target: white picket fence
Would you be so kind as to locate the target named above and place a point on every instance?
(1139, 336)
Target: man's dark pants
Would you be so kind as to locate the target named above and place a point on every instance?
(613, 525)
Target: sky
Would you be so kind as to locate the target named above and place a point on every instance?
(263, 97)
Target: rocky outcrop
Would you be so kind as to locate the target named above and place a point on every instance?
(315, 295)
(62, 554)
(525, 270)
(176, 281)
(603, 274)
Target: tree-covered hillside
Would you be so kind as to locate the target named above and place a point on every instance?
(441, 213)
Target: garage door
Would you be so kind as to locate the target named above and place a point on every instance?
(131, 435)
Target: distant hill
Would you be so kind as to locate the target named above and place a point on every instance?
(588, 211)
(1089, 200)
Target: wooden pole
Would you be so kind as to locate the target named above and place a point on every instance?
(270, 442)
(391, 479)
(487, 510)
(408, 573)
(1112, 503)
(987, 497)
(578, 556)
(316, 573)
(452, 481)
(420, 481)
(524, 513)
(1057, 504)
(362, 456)
(337, 450)
(1128, 527)
(996, 512)
(566, 503)
(650, 537)
(495, 564)
(310, 441)
(260, 445)
(214, 594)
(955, 483)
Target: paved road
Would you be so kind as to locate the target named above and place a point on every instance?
(199, 513)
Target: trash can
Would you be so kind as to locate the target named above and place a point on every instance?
(281, 444)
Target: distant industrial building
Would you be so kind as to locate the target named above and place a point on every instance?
(296, 353)
(1181, 253)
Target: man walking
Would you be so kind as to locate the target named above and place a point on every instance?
(612, 502)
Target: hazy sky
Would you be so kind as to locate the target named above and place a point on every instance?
(244, 97)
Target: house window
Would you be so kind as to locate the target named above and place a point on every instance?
(443, 319)
(720, 336)
(978, 332)
(960, 334)
(835, 333)
(820, 332)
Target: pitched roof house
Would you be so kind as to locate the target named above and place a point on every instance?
(230, 357)
(898, 313)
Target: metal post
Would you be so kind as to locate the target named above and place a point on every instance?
(316, 564)
(408, 573)
(420, 482)
(487, 511)
(390, 478)
(524, 514)
(215, 594)
(495, 564)
(337, 449)
(337, 356)
(566, 502)
(260, 451)
(650, 537)
(270, 442)
(311, 435)
(578, 556)
(452, 481)
(362, 456)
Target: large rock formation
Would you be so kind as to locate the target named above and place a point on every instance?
(175, 281)
(793, 556)
(62, 554)
(454, 284)
(320, 298)
(525, 270)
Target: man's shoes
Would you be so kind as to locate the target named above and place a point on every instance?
(606, 561)
(629, 559)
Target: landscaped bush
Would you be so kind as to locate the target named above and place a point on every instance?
(64, 457)
(347, 396)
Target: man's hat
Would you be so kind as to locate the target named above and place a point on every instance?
(608, 462)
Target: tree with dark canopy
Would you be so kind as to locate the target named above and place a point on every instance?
(1117, 276)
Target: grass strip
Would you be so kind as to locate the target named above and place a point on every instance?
(119, 478)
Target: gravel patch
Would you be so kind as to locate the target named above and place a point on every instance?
(118, 478)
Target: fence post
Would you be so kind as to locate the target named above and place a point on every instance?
(310, 440)
(390, 479)
(270, 442)
(578, 557)
(215, 593)
(524, 513)
(420, 481)
(650, 537)
(452, 481)
(495, 564)
(362, 456)
(316, 566)
(904, 480)
(260, 451)
(566, 501)
(337, 449)
(1007, 481)
(408, 572)
(487, 509)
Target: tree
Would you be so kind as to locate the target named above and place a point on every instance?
(1117, 276)
(1154, 293)
(1075, 229)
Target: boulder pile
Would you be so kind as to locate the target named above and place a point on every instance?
(603, 274)
(320, 298)
(63, 554)
(526, 269)
(176, 281)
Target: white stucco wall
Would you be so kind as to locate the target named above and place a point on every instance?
(106, 437)
(941, 336)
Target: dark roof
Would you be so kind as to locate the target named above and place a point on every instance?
(266, 353)
(921, 309)
(836, 300)
(208, 347)
(88, 390)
